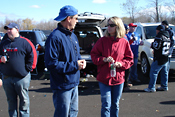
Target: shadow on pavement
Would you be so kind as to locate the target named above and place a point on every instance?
(170, 116)
(89, 87)
(168, 102)
(42, 90)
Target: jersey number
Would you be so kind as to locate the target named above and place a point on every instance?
(165, 49)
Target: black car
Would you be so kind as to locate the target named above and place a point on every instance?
(38, 38)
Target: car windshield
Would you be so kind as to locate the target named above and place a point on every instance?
(150, 32)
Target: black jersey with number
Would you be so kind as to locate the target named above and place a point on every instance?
(161, 46)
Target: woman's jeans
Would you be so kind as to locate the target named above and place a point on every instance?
(155, 69)
(66, 102)
(110, 96)
(15, 87)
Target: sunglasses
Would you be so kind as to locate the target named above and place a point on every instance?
(111, 25)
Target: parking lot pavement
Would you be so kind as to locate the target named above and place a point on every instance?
(135, 103)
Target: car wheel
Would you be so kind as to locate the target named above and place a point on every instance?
(145, 67)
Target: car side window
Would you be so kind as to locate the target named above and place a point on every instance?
(139, 31)
(43, 37)
(150, 32)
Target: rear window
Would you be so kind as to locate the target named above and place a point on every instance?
(87, 37)
(29, 35)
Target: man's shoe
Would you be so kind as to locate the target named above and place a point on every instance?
(125, 89)
(129, 85)
(149, 90)
(161, 89)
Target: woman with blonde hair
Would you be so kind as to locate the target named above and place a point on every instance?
(113, 49)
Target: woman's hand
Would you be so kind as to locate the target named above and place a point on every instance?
(117, 64)
(108, 59)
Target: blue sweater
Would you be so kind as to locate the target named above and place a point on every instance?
(61, 55)
(22, 57)
(135, 45)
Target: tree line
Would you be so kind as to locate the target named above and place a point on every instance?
(151, 13)
(29, 24)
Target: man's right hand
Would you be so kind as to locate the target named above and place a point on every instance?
(81, 64)
(3, 59)
(0, 82)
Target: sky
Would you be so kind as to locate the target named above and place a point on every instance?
(44, 10)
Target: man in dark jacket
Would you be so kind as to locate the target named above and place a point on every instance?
(161, 47)
(172, 38)
(63, 60)
(171, 34)
(17, 57)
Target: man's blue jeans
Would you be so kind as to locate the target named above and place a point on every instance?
(155, 69)
(15, 87)
(133, 70)
(66, 102)
(110, 96)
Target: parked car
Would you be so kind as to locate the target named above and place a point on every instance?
(1, 35)
(88, 31)
(147, 32)
(47, 32)
(38, 38)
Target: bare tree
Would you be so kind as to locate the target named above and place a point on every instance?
(171, 8)
(156, 4)
(130, 7)
(47, 25)
(126, 20)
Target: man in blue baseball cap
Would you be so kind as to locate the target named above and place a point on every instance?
(68, 12)
(18, 57)
(63, 60)
(12, 25)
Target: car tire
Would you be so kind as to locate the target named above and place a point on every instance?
(145, 67)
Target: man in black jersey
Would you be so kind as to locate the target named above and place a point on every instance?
(172, 39)
(161, 47)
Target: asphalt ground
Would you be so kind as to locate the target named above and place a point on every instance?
(134, 103)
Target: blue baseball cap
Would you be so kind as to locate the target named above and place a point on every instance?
(65, 12)
(126, 26)
(12, 25)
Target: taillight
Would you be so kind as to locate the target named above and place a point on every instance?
(38, 47)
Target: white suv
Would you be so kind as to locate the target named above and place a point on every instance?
(147, 32)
